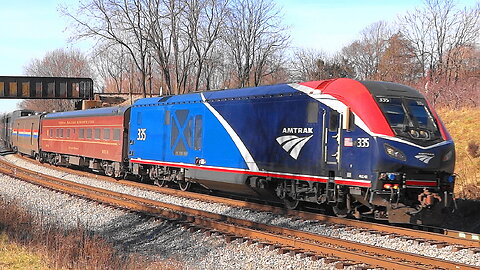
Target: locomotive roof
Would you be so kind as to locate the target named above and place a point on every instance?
(107, 111)
(374, 87)
(390, 89)
(267, 90)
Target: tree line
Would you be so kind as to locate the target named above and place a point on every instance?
(173, 47)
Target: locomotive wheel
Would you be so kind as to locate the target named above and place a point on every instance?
(184, 185)
(160, 183)
(290, 203)
(340, 211)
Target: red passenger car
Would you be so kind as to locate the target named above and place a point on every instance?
(93, 138)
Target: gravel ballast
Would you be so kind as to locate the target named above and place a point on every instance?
(155, 239)
(95, 220)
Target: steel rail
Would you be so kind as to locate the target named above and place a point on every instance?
(297, 239)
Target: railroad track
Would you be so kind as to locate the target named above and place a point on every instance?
(439, 237)
(341, 252)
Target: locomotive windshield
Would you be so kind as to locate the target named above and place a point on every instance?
(409, 118)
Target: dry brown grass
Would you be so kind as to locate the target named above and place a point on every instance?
(59, 249)
(464, 126)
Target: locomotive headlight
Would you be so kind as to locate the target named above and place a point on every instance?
(448, 156)
(394, 152)
(423, 134)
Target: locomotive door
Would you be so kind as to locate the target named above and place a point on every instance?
(186, 135)
(331, 140)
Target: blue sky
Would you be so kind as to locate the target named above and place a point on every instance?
(30, 28)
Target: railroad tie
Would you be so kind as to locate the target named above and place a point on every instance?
(474, 251)
(273, 247)
(457, 248)
(342, 264)
(284, 250)
(251, 241)
(330, 260)
(230, 238)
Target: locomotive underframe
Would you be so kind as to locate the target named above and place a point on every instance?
(401, 205)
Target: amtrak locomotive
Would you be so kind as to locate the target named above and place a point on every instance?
(367, 149)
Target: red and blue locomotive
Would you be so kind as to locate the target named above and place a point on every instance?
(366, 148)
(372, 149)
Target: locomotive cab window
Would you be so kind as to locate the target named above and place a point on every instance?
(333, 121)
(409, 118)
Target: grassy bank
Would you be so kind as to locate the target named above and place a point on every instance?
(464, 127)
(13, 256)
(28, 242)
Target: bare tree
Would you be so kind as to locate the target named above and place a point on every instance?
(437, 30)
(304, 64)
(309, 64)
(364, 54)
(205, 20)
(173, 49)
(254, 34)
(121, 22)
(110, 61)
(398, 62)
(57, 63)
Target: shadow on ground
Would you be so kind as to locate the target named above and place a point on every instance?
(466, 217)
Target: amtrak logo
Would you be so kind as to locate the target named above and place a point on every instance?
(425, 157)
(293, 144)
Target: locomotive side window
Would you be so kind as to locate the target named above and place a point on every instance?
(51, 133)
(97, 134)
(106, 134)
(81, 133)
(197, 144)
(61, 133)
(67, 135)
(116, 134)
(312, 112)
(333, 121)
(57, 133)
(89, 133)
